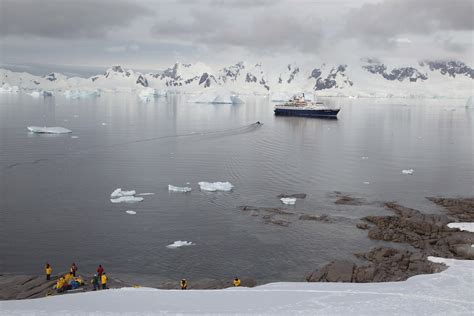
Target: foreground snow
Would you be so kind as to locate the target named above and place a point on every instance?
(463, 226)
(446, 293)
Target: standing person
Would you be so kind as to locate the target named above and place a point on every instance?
(73, 269)
(100, 270)
(184, 284)
(48, 270)
(236, 281)
(103, 279)
(95, 282)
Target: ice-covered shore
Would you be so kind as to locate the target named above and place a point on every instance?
(445, 293)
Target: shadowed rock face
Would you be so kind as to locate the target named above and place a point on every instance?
(452, 68)
(427, 232)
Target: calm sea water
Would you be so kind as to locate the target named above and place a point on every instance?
(55, 189)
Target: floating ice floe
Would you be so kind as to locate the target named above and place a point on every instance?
(119, 192)
(127, 199)
(173, 188)
(144, 194)
(288, 201)
(74, 137)
(366, 182)
(463, 226)
(6, 88)
(215, 186)
(408, 171)
(119, 196)
(364, 157)
(131, 212)
(217, 98)
(180, 243)
(49, 130)
(78, 94)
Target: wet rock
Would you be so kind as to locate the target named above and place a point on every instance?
(296, 195)
(462, 209)
(336, 271)
(308, 217)
(362, 226)
(348, 200)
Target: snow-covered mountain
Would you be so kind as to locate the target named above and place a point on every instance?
(367, 78)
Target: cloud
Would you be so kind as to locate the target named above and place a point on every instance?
(377, 23)
(66, 19)
(258, 26)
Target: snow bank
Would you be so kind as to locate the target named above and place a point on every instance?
(215, 186)
(172, 188)
(79, 94)
(463, 226)
(407, 171)
(446, 293)
(6, 88)
(288, 201)
(49, 130)
(180, 243)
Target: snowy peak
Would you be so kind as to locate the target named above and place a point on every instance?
(401, 74)
(451, 68)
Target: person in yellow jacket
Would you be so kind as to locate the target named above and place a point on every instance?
(103, 281)
(60, 285)
(236, 281)
(48, 270)
(68, 277)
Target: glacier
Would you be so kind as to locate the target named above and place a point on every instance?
(360, 78)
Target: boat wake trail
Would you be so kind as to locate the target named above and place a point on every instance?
(198, 135)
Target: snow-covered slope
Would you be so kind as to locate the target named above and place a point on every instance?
(446, 293)
(365, 78)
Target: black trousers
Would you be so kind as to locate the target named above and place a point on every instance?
(48, 277)
(104, 286)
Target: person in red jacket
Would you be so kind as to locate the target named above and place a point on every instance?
(100, 270)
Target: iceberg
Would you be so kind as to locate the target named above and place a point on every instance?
(6, 88)
(288, 201)
(35, 94)
(147, 94)
(408, 171)
(215, 186)
(49, 130)
(78, 94)
(119, 192)
(217, 98)
(180, 243)
(172, 188)
(127, 199)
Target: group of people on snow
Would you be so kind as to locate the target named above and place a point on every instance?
(70, 281)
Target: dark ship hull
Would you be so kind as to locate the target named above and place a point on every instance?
(327, 113)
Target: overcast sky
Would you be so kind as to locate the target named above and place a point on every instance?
(146, 34)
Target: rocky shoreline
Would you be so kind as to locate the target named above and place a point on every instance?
(428, 234)
(425, 234)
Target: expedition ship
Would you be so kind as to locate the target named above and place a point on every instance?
(298, 106)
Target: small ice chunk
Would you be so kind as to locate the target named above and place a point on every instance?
(74, 137)
(366, 182)
(49, 130)
(407, 171)
(180, 243)
(215, 186)
(173, 188)
(144, 194)
(119, 192)
(35, 94)
(127, 199)
(104, 124)
(131, 212)
(288, 201)
(463, 226)
(364, 158)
